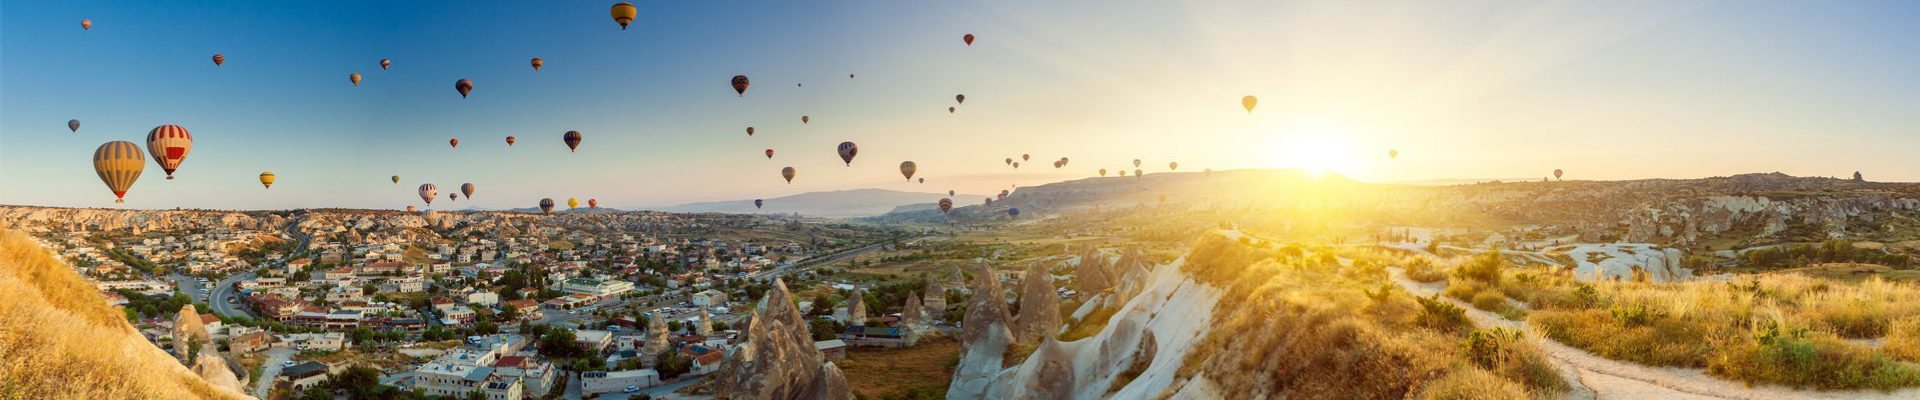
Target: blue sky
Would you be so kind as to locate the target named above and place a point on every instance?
(1606, 90)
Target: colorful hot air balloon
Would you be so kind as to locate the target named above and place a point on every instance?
(623, 13)
(427, 192)
(355, 78)
(1393, 153)
(385, 63)
(906, 168)
(804, 119)
(960, 98)
(787, 173)
(396, 179)
(1013, 212)
(968, 38)
(1249, 102)
(950, 110)
(1026, 157)
(769, 154)
(266, 179)
(119, 164)
(1103, 172)
(946, 205)
(593, 203)
(847, 151)
(466, 189)
(989, 201)
(454, 142)
(536, 63)
(758, 202)
(1557, 172)
(86, 24)
(749, 131)
(546, 206)
(1173, 166)
(573, 202)
(740, 85)
(169, 145)
(1136, 162)
(510, 140)
(409, 208)
(74, 125)
(573, 140)
(219, 59)
(463, 86)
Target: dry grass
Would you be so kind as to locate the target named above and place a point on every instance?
(880, 372)
(60, 340)
(1903, 339)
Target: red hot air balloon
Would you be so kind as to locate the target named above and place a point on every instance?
(219, 59)
(169, 145)
(740, 85)
(968, 38)
(87, 24)
(573, 140)
(510, 140)
(769, 154)
(454, 142)
(385, 63)
(464, 86)
(946, 205)
(536, 63)
(593, 203)
(847, 151)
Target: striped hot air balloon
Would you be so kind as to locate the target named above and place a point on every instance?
(757, 203)
(427, 192)
(119, 164)
(510, 140)
(355, 78)
(787, 173)
(573, 140)
(623, 13)
(169, 145)
(466, 189)
(219, 59)
(409, 208)
(546, 206)
(907, 168)
(266, 179)
(385, 63)
(593, 203)
(847, 150)
(537, 63)
(946, 205)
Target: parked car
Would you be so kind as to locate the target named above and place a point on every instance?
(287, 363)
(631, 389)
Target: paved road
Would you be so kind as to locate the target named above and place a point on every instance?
(270, 370)
(224, 289)
(190, 285)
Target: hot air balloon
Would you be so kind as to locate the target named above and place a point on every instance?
(1103, 172)
(769, 154)
(510, 140)
(1393, 153)
(1056, 164)
(623, 14)
(1557, 172)
(169, 145)
(355, 78)
(396, 179)
(546, 206)
(968, 38)
(1136, 162)
(119, 164)
(989, 201)
(1137, 174)
(86, 24)
(453, 196)
(1026, 157)
(1016, 165)
(219, 59)
(946, 205)
(463, 86)
(1249, 102)
(454, 142)
(749, 131)
(536, 63)
(740, 85)
(787, 173)
(949, 192)
(266, 179)
(466, 189)
(1013, 212)
(593, 203)
(385, 63)
(1003, 194)
(74, 125)
(960, 98)
(1123, 172)
(573, 140)
(409, 208)
(1009, 160)
(1063, 161)
(847, 151)
(949, 110)
(923, 180)
(427, 192)
(849, 76)
(573, 202)
(1173, 166)
(907, 168)
(804, 119)
(758, 202)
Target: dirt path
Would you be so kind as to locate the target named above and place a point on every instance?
(1594, 377)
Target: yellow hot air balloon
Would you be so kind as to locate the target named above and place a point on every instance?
(573, 202)
(266, 179)
(788, 173)
(119, 164)
(907, 168)
(1249, 102)
(624, 13)
(355, 78)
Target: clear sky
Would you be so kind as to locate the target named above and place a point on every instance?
(1464, 89)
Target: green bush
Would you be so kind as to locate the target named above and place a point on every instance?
(1441, 315)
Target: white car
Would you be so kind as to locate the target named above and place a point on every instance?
(287, 363)
(631, 389)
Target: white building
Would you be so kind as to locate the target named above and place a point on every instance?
(596, 382)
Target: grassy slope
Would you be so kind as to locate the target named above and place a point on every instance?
(59, 339)
(887, 373)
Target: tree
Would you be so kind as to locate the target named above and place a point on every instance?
(671, 364)
(316, 393)
(559, 343)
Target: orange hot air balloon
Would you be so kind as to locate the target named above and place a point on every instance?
(385, 63)
(536, 63)
(119, 164)
(219, 59)
(169, 145)
(409, 208)
(624, 13)
(968, 38)
(946, 205)
(740, 85)
(510, 140)
(86, 24)
(454, 142)
(464, 86)
(355, 78)
(769, 154)
(593, 203)
(787, 173)
(749, 131)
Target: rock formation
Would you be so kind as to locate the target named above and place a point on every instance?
(778, 361)
(196, 349)
(1039, 307)
(656, 337)
(936, 301)
(705, 326)
(1093, 276)
(857, 312)
(983, 342)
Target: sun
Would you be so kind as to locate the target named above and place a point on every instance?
(1319, 151)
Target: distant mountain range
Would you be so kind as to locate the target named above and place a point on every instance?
(832, 204)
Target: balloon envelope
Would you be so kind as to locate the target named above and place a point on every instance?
(758, 202)
(593, 203)
(87, 24)
(510, 140)
(847, 150)
(355, 78)
(463, 86)
(119, 164)
(73, 124)
(219, 59)
(266, 179)
(536, 63)
(385, 63)
(396, 179)
(623, 13)
(169, 145)
(1249, 102)
(946, 205)
(573, 202)
(968, 38)
(907, 169)
(466, 189)
(428, 192)
(546, 206)
(749, 131)
(787, 173)
(740, 84)
(573, 140)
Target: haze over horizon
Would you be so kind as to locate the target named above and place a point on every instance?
(1606, 91)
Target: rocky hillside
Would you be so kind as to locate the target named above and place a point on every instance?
(779, 361)
(60, 340)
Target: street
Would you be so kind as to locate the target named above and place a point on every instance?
(270, 369)
(225, 288)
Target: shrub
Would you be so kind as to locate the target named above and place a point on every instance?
(1509, 353)
(1484, 268)
(1441, 315)
(1793, 358)
(1903, 339)
(1635, 315)
(1422, 270)
(1469, 383)
(1462, 290)
(1490, 301)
